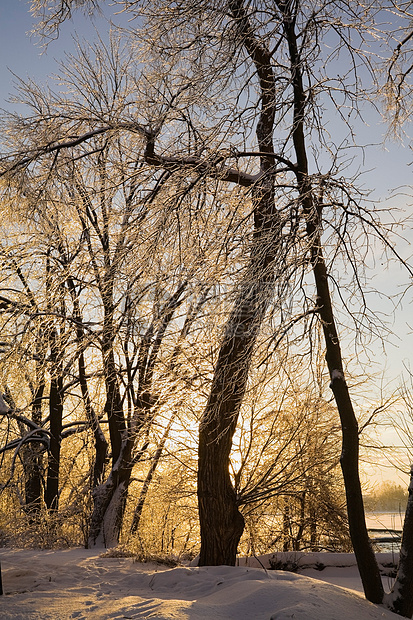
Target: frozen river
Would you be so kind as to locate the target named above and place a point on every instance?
(385, 529)
(385, 520)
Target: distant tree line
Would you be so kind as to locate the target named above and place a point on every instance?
(388, 497)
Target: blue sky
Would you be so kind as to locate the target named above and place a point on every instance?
(22, 54)
(385, 166)
(18, 52)
(388, 164)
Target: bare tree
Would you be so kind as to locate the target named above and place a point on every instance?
(285, 462)
(265, 134)
(37, 334)
(127, 265)
(399, 68)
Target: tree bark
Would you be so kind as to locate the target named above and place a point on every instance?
(366, 561)
(32, 458)
(101, 444)
(56, 424)
(113, 404)
(109, 502)
(400, 599)
(221, 522)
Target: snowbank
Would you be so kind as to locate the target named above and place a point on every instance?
(78, 583)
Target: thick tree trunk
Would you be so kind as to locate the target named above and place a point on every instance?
(221, 522)
(109, 506)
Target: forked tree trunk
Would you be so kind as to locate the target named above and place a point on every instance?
(221, 522)
(109, 502)
(109, 498)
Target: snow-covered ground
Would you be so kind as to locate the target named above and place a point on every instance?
(79, 583)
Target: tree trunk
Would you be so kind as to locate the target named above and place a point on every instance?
(313, 525)
(221, 522)
(32, 458)
(108, 509)
(145, 487)
(286, 526)
(301, 522)
(400, 599)
(56, 423)
(366, 561)
(101, 444)
(109, 498)
(109, 502)
(113, 405)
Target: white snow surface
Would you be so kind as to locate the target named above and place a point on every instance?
(80, 583)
